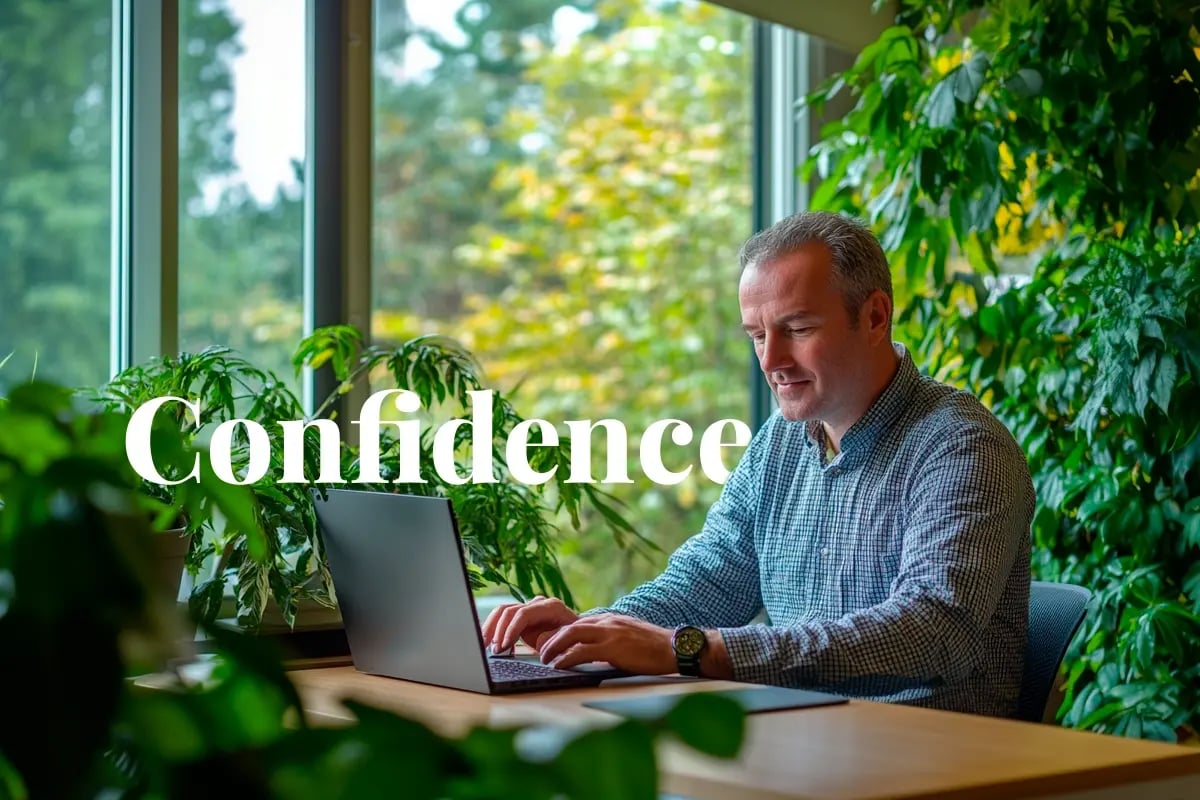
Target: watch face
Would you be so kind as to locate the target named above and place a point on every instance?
(689, 641)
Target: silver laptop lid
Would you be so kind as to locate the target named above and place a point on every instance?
(401, 582)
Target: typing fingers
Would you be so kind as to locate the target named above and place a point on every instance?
(576, 654)
(567, 637)
(497, 622)
(517, 619)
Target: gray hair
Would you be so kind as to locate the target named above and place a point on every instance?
(859, 265)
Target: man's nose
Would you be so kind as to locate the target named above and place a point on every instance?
(774, 353)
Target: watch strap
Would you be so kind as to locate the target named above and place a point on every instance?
(688, 665)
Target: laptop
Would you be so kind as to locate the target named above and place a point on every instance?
(400, 577)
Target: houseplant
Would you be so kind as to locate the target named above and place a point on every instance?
(1031, 169)
(226, 386)
(79, 615)
(507, 526)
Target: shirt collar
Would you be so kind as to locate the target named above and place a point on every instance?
(882, 412)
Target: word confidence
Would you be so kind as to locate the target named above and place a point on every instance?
(137, 446)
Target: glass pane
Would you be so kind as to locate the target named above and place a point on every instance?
(241, 165)
(55, 190)
(563, 186)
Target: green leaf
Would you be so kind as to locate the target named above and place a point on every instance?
(236, 503)
(939, 108)
(930, 169)
(991, 321)
(1101, 715)
(399, 752)
(968, 78)
(159, 717)
(958, 218)
(253, 590)
(1175, 197)
(1191, 530)
(204, 604)
(1157, 729)
(1108, 677)
(258, 657)
(1141, 383)
(1164, 381)
(710, 723)
(1026, 83)
(1191, 586)
(1144, 654)
(11, 785)
(982, 209)
(607, 763)
(1132, 694)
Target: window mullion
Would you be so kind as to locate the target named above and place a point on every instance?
(146, 169)
(337, 183)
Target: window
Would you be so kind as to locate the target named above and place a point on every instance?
(563, 188)
(242, 105)
(55, 190)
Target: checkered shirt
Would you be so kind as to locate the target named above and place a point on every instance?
(897, 571)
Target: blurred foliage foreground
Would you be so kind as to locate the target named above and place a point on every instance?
(80, 614)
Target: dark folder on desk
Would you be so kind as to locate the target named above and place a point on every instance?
(752, 699)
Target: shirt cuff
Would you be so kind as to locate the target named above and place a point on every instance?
(751, 649)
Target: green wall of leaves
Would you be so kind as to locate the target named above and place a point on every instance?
(1032, 169)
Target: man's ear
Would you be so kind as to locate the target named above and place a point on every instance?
(877, 314)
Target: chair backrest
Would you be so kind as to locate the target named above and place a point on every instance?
(1056, 611)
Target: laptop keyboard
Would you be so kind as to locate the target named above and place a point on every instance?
(507, 669)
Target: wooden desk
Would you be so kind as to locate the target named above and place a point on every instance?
(859, 750)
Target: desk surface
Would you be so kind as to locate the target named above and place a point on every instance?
(858, 750)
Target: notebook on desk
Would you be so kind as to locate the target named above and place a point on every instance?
(752, 699)
(401, 582)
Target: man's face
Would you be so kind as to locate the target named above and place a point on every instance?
(815, 361)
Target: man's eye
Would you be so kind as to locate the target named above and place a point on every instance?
(799, 331)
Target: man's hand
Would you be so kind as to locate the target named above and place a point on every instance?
(625, 642)
(530, 621)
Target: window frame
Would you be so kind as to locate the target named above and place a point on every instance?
(145, 178)
(338, 164)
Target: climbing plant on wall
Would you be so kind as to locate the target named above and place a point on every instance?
(1032, 170)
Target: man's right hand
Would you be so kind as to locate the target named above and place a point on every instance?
(533, 622)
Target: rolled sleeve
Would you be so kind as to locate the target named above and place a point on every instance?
(713, 578)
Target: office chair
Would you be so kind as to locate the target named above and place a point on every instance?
(1056, 611)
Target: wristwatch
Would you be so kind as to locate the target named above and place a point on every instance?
(689, 642)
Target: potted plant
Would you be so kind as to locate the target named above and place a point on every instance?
(508, 527)
(225, 387)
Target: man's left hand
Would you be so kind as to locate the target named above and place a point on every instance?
(628, 643)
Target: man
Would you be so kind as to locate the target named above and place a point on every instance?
(881, 519)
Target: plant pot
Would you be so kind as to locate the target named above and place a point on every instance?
(157, 560)
(169, 555)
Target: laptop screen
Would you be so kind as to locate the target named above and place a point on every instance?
(401, 582)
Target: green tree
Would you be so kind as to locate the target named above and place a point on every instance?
(439, 141)
(54, 189)
(55, 184)
(603, 283)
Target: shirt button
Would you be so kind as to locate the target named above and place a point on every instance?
(824, 551)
